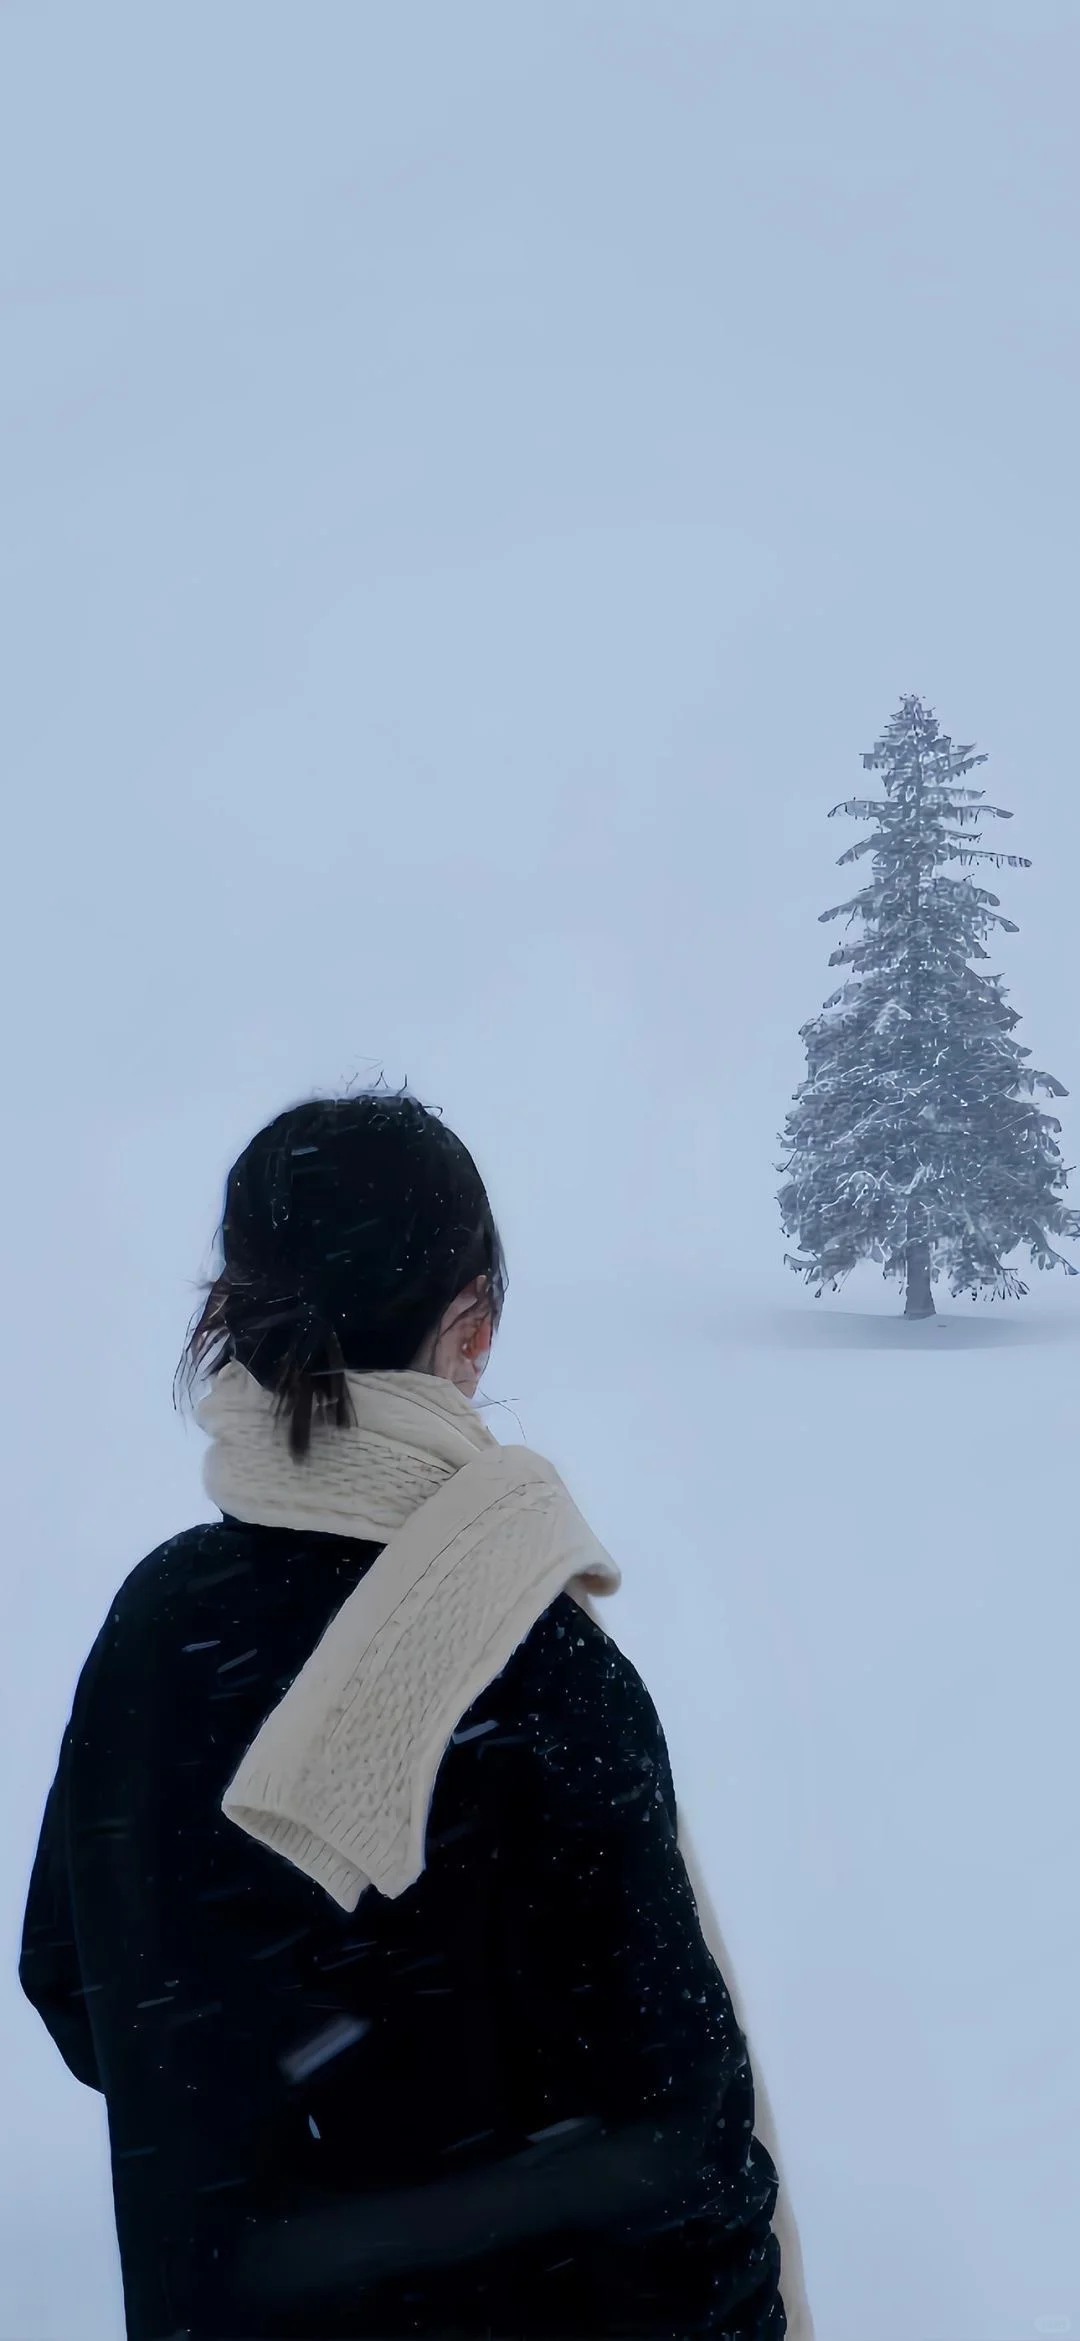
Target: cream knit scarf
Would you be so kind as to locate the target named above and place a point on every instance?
(478, 1539)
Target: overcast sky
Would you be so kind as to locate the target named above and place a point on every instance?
(476, 474)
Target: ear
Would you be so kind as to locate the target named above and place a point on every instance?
(469, 1310)
(476, 1340)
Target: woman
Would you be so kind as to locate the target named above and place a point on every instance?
(359, 1894)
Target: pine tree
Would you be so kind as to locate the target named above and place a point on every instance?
(914, 1139)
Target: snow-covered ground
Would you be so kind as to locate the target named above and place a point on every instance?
(850, 1584)
(850, 1587)
(468, 501)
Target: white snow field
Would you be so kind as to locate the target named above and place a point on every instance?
(850, 1585)
(475, 478)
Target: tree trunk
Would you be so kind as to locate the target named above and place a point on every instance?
(920, 1299)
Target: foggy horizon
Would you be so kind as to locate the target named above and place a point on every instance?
(476, 482)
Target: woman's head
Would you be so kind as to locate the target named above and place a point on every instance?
(356, 1237)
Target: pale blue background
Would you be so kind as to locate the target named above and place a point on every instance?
(475, 477)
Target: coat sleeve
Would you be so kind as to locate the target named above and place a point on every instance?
(608, 1925)
(49, 1969)
(800, 2323)
(620, 2000)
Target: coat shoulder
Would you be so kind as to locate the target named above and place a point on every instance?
(193, 1560)
(152, 1606)
(568, 1658)
(588, 1719)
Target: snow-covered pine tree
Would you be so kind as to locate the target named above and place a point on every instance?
(914, 1139)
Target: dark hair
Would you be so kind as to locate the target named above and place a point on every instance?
(349, 1226)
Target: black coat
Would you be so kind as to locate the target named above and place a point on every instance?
(514, 2101)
